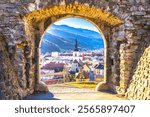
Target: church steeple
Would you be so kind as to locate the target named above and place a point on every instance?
(76, 45)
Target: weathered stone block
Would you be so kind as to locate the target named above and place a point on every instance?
(41, 87)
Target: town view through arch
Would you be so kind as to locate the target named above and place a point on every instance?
(72, 53)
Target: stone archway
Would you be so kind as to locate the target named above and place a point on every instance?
(38, 21)
(55, 19)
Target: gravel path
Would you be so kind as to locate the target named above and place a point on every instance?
(61, 88)
(64, 92)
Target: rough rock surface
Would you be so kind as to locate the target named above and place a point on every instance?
(124, 25)
(102, 86)
(9, 88)
(41, 87)
(139, 88)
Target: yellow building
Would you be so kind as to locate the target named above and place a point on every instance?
(86, 68)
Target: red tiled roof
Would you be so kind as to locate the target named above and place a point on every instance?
(86, 74)
(75, 61)
(53, 65)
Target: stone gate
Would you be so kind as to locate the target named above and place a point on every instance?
(123, 24)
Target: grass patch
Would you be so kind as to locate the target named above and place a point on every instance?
(85, 84)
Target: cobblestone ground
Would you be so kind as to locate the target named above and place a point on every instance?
(64, 92)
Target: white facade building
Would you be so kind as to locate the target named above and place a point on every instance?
(55, 54)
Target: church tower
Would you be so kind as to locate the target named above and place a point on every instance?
(76, 53)
(76, 45)
(77, 63)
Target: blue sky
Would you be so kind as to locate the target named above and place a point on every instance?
(77, 23)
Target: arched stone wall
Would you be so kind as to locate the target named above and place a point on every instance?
(126, 41)
(38, 21)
